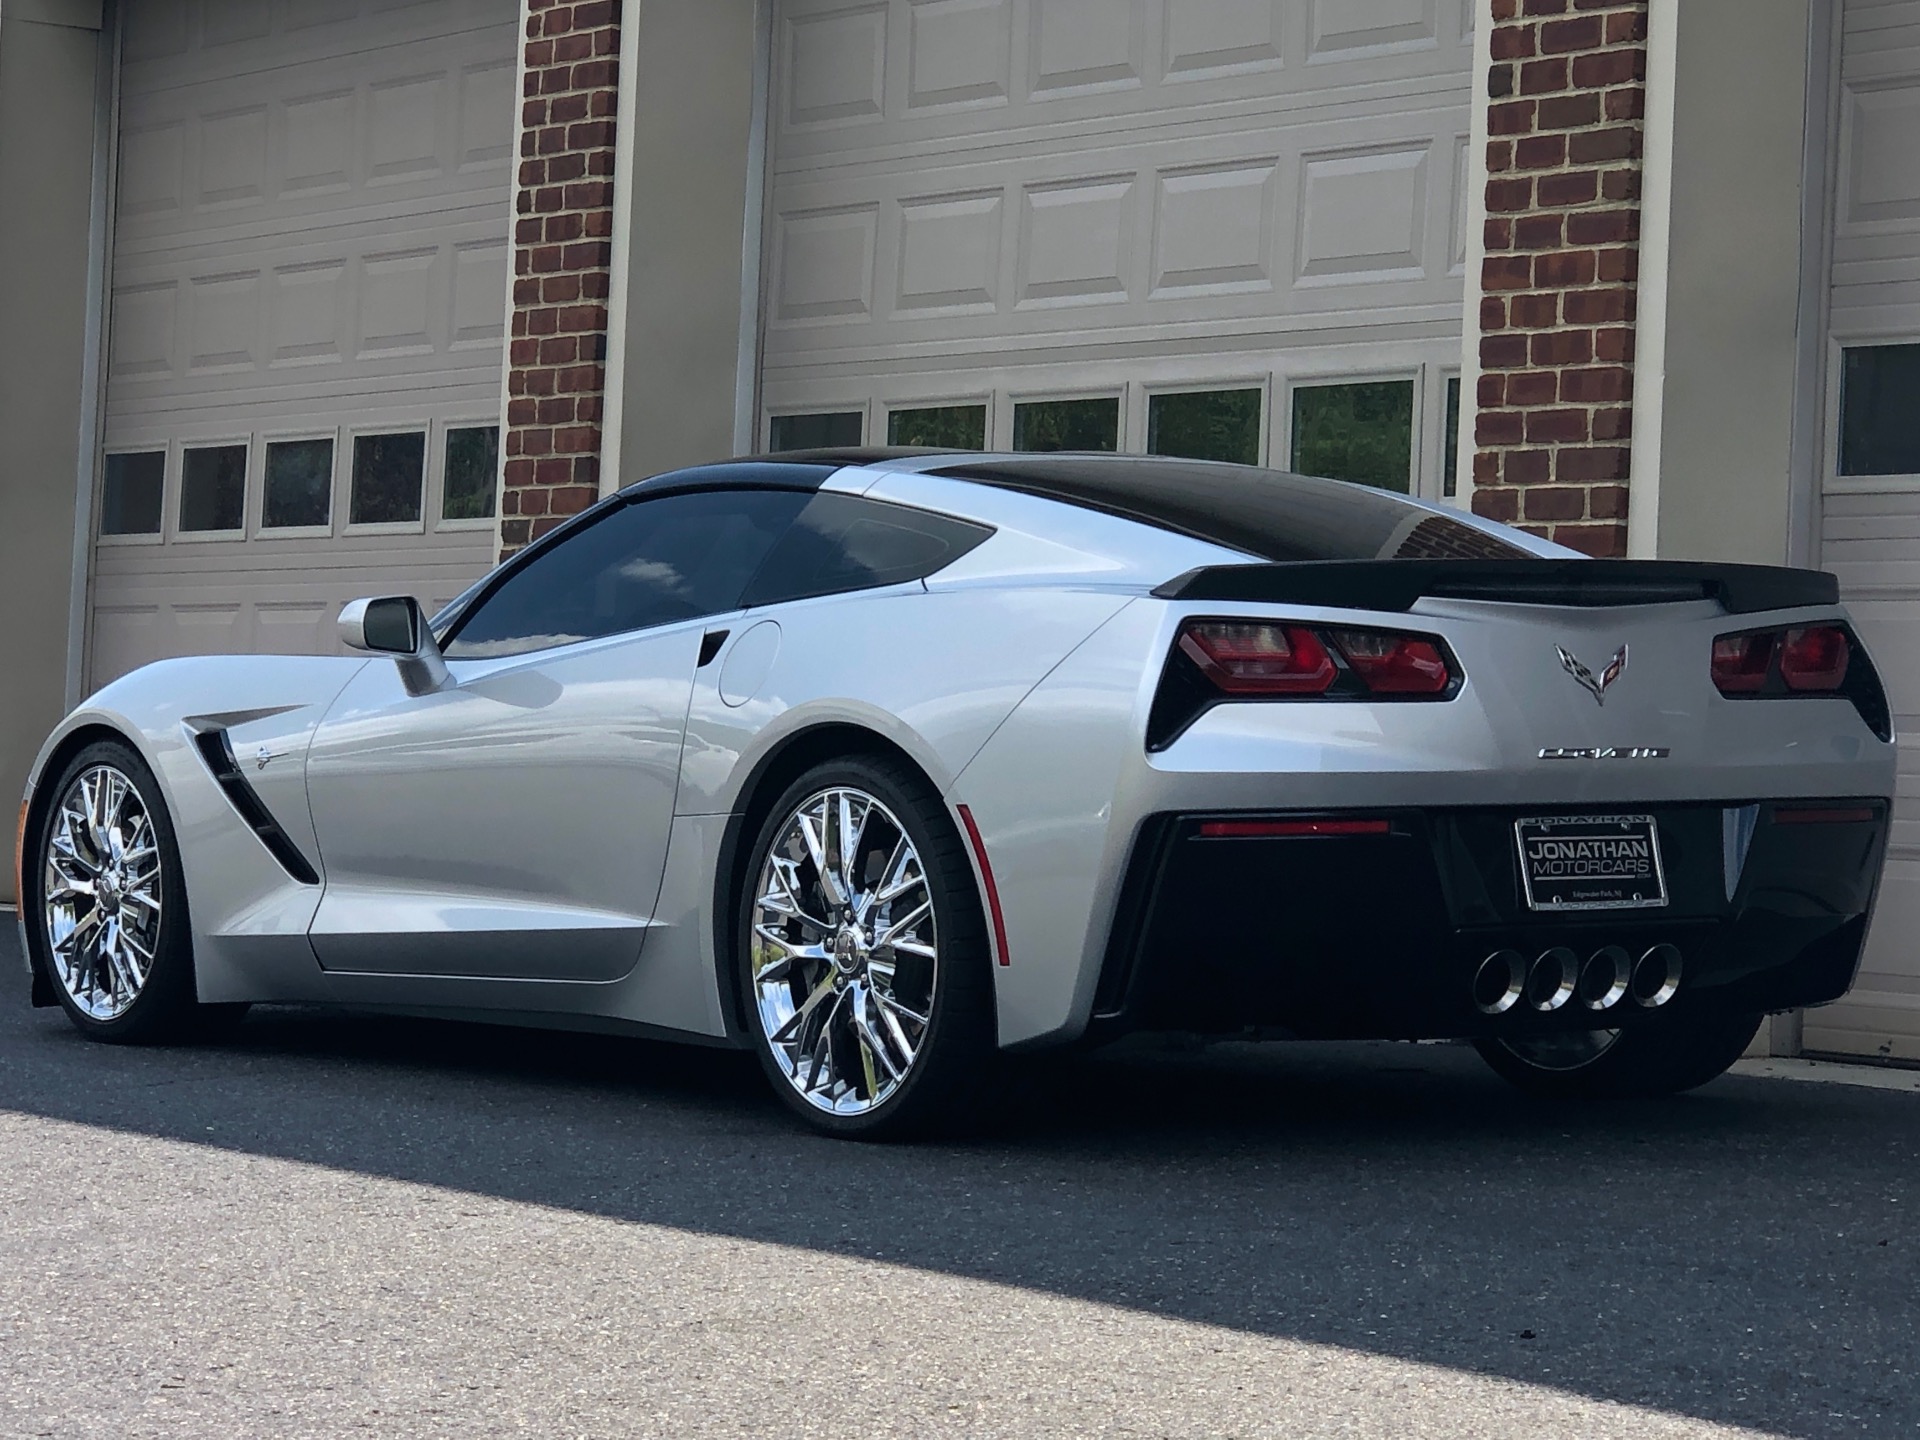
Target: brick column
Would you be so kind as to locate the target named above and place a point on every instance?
(562, 266)
(1566, 99)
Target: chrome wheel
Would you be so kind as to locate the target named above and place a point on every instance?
(844, 954)
(101, 894)
(1564, 1052)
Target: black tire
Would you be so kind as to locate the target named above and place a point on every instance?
(1661, 1055)
(165, 1010)
(948, 1070)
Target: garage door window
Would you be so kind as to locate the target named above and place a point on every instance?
(473, 465)
(1880, 410)
(1206, 425)
(1067, 424)
(131, 496)
(947, 427)
(827, 430)
(299, 485)
(213, 489)
(1360, 431)
(388, 472)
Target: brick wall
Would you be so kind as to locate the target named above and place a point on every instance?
(562, 266)
(1554, 410)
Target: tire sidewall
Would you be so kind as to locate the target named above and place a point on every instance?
(167, 999)
(1661, 1055)
(954, 1035)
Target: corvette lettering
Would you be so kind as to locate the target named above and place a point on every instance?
(1606, 752)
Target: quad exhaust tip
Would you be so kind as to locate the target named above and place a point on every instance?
(1556, 977)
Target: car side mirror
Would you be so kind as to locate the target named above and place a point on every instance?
(395, 625)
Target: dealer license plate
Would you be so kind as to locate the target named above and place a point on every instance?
(1591, 862)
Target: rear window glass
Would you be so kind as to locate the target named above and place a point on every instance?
(842, 543)
(1268, 514)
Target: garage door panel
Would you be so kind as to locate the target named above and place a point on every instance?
(310, 241)
(1870, 527)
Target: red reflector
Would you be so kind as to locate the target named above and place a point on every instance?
(993, 890)
(1815, 658)
(1856, 815)
(1267, 829)
(1250, 658)
(1395, 664)
(1741, 663)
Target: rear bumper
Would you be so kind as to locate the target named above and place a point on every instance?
(1380, 932)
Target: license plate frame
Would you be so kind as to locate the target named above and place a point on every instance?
(1615, 863)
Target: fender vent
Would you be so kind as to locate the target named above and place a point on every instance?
(217, 751)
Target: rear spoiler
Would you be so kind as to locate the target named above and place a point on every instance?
(1397, 584)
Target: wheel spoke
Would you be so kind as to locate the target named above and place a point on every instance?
(815, 842)
(781, 966)
(873, 1048)
(906, 922)
(892, 1007)
(819, 995)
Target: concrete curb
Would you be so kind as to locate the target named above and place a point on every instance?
(1830, 1072)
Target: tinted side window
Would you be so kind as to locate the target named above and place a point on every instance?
(842, 542)
(651, 562)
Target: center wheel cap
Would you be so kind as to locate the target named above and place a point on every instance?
(849, 950)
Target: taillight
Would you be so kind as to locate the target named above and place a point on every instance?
(1797, 660)
(1742, 663)
(1259, 658)
(1395, 664)
(1814, 658)
(1248, 658)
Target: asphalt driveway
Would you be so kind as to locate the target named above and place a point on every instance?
(338, 1224)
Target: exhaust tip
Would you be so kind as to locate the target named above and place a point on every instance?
(1498, 982)
(1605, 977)
(1551, 979)
(1656, 976)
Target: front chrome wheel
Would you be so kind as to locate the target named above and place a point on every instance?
(101, 892)
(844, 954)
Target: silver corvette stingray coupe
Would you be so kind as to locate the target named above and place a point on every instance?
(875, 762)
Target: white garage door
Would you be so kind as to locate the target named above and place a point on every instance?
(1224, 227)
(1871, 510)
(309, 285)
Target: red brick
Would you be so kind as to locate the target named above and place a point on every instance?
(1511, 117)
(560, 350)
(1622, 265)
(589, 195)
(526, 292)
(535, 441)
(1568, 112)
(566, 226)
(1503, 352)
(521, 411)
(1622, 142)
(1586, 463)
(596, 284)
(1551, 427)
(1538, 232)
(582, 379)
(554, 470)
(1543, 7)
(1512, 42)
(1532, 387)
(1599, 307)
(589, 254)
(1576, 187)
(1499, 81)
(1560, 36)
(1560, 347)
(1627, 29)
(556, 410)
(1500, 505)
(541, 321)
(1619, 185)
(1490, 393)
(539, 55)
(1506, 272)
(1540, 77)
(1607, 502)
(1486, 467)
(567, 108)
(1614, 345)
(1499, 156)
(576, 318)
(1596, 386)
(1613, 424)
(1603, 227)
(1499, 427)
(518, 472)
(1505, 9)
(544, 526)
(514, 534)
(1627, 103)
(1540, 152)
(595, 13)
(1555, 502)
(590, 134)
(577, 439)
(533, 501)
(1606, 541)
(1528, 467)
(1563, 269)
(562, 168)
(1504, 196)
(1609, 67)
(523, 352)
(571, 499)
(1535, 312)
(572, 47)
(1493, 313)
(557, 21)
(593, 74)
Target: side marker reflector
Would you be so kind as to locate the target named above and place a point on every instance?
(1265, 829)
(20, 859)
(993, 891)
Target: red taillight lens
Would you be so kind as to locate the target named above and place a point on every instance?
(1395, 664)
(1815, 658)
(1741, 663)
(1250, 658)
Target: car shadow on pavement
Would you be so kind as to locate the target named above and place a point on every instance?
(1743, 1255)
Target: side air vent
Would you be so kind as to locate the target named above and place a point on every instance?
(217, 751)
